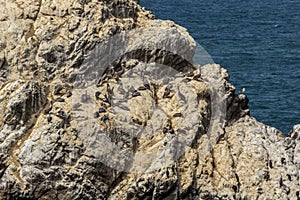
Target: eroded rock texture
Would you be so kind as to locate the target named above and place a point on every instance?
(99, 100)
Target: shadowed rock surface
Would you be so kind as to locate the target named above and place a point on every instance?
(99, 100)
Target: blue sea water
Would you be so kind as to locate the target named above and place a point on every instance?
(257, 41)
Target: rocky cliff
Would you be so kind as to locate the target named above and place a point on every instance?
(99, 100)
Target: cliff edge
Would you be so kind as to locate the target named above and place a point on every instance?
(100, 100)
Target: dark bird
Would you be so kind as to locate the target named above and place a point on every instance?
(197, 77)
(104, 118)
(270, 164)
(172, 131)
(126, 95)
(96, 114)
(61, 114)
(283, 161)
(76, 106)
(190, 74)
(121, 90)
(167, 92)
(112, 111)
(47, 111)
(97, 94)
(147, 85)
(106, 99)
(131, 89)
(58, 89)
(120, 70)
(104, 105)
(142, 88)
(186, 80)
(69, 94)
(165, 130)
(117, 78)
(49, 119)
(102, 110)
(110, 72)
(136, 93)
(60, 99)
(168, 129)
(101, 80)
(109, 90)
(177, 115)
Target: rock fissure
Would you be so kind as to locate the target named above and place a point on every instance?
(234, 165)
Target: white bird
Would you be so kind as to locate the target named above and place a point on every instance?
(242, 91)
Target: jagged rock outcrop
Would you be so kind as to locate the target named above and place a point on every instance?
(99, 100)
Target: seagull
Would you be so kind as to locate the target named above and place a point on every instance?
(242, 91)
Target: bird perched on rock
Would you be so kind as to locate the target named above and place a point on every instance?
(60, 99)
(49, 119)
(197, 77)
(177, 115)
(47, 111)
(242, 91)
(102, 110)
(96, 115)
(76, 106)
(167, 91)
(109, 90)
(146, 85)
(58, 89)
(69, 94)
(97, 94)
(61, 114)
(101, 80)
(107, 99)
(142, 88)
(104, 118)
(110, 72)
(136, 93)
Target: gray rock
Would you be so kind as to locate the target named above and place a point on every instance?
(185, 134)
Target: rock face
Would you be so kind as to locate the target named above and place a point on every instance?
(99, 100)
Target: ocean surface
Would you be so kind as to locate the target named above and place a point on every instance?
(257, 41)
